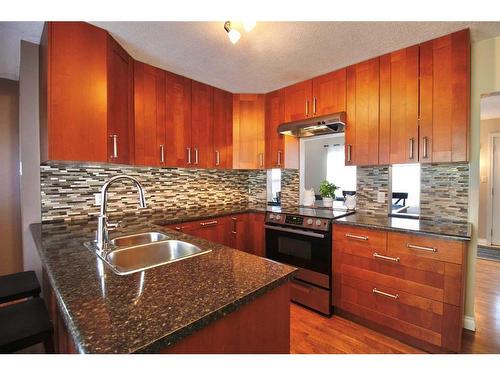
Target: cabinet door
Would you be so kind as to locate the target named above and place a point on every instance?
(248, 131)
(75, 72)
(399, 107)
(239, 232)
(329, 93)
(362, 130)
(149, 95)
(223, 128)
(274, 140)
(120, 104)
(255, 240)
(445, 98)
(202, 126)
(297, 101)
(178, 120)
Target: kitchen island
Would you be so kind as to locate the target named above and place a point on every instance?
(224, 301)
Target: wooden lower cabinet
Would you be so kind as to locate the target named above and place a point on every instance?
(409, 286)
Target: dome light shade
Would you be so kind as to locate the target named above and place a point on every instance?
(234, 35)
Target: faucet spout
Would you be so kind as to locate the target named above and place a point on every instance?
(102, 227)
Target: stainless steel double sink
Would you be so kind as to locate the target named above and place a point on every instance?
(141, 251)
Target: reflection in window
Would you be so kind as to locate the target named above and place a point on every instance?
(337, 172)
(274, 187)
(406, 189)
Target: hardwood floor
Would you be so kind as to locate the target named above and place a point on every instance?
(314, 334)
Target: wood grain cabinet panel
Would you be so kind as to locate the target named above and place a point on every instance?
(281, 151)
(248, 131)
(223, 128)
(149, 104)
(445, 98)
(362, 130)
(399, 107)
(178, 120)
(329, 93)
(203, 155)
(297, 101)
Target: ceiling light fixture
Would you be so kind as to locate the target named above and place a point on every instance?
(233, 34)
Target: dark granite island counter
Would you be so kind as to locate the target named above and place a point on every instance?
(222, 301)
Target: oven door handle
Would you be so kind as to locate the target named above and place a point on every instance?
(296, 231)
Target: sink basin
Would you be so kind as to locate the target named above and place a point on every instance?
(139, 252)
(138, 239)
(138, 258)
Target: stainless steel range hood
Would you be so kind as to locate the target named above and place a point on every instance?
(328, 124)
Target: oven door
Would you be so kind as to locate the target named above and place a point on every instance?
(298, 247)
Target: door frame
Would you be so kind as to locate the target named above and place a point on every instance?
(489, 199)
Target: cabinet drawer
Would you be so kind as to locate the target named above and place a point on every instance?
(309, 295)
(451, 251)
(358, 238)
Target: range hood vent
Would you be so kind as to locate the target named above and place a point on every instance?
(328, 124)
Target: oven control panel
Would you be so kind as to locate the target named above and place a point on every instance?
(298, 221)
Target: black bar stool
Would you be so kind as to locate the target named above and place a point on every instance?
(24, 324)
(18, 285)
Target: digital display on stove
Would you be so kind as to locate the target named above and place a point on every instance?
(291, 219)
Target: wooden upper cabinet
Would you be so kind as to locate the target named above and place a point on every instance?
(399, 107)
(445, 98)
(362, 128)
(297, 101)
(120, 70)
(202, 149)
(178, 120)
(248, 131)
(73, 92)
(149, 103)
(281, 151)
(329, 93)
(223, 128)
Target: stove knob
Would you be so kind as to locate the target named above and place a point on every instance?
(309, 221)
(271, 216)
(318, 222)
(278, 217)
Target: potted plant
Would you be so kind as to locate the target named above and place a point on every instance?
(327, 191)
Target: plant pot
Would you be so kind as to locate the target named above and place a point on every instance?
(328, 202)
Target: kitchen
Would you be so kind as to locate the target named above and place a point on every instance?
(178, 216)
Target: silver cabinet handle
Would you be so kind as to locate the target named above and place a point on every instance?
(356, 237)
(307, 107)
(188, 155)
(209, 223)
(377, 255)
(178, 229)
(314, 105)
(349, 151)
(424, 248)
(279, 158)
(196, 156)
(425, 151)
(233, 231)
(410, 148)
(162, 154)
(261, 160)
(217, 157)
(114, 155)
(393, 296)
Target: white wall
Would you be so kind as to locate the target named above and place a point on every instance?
(29, 149)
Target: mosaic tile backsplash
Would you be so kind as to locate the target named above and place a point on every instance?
(290, 187)
(369, 181)
(68, 190)
(444, 192)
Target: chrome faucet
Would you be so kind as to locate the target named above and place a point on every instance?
(102, 225)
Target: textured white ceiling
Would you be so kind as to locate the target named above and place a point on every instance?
(274, 54)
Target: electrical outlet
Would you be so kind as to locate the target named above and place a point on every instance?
(380, 197)
(97, 197)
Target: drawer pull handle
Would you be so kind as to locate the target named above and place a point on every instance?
(178, 228)
(393, 296)
(214, 222)
(356, 237)
(301, 287)
(376, 255)
(233, 231)
(425, 248)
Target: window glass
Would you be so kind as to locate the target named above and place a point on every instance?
(337, 172)
(405, 186)
(274, 186)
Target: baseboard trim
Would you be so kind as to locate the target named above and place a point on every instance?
(469, 323)
(482, 242)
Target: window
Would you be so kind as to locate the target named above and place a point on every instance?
(405, 186)
(274, 186)
(337, 172)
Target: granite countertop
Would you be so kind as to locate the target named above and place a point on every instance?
(457, 231)
(149, 310)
